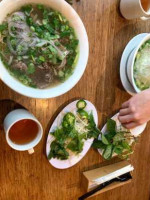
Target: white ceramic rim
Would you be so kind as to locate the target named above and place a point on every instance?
(147, 37)
(80, 30)
(30, 145)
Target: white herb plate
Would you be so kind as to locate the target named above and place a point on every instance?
(73, 159)
(135, 131)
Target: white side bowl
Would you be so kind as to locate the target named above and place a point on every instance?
(15, 116)
(9, 6)
(131, 61)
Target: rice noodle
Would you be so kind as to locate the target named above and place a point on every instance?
(10, 60)
(25, 57)
(19, 30)
(61, 53)
(20, 14)
(38, 22)
(22, 34)
(63, 63)
(35, 17)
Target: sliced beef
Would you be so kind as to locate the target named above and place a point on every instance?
(20, 65)
(64, 40)
(43, 77)
(45, 66)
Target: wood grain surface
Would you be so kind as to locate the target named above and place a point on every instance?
(31, 177)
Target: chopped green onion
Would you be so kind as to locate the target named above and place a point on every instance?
(41, 58)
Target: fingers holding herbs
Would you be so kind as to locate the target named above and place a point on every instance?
(136, 110)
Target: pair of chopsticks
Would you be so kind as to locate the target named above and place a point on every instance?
(122, 178)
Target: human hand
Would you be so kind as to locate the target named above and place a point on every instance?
(135, 111)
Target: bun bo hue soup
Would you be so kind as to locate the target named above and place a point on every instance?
(38, 46)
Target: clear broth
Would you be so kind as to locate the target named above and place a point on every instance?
(39, 67)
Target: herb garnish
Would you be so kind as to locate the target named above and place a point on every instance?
(70, 136)
(115, 141)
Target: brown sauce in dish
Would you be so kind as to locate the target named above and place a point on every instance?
(23, 131)
(145, 4)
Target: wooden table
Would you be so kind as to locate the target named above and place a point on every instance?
(31, 177)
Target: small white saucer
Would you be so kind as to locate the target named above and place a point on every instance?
(123, 64)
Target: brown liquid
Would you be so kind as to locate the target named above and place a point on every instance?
(145, 4)
(23, 131)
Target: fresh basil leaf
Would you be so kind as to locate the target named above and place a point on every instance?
(72, 133)
(111, 126)
(93, 130)
(76, 145)
(58, 151)
(97, 144)
(93, 133)
(59, 135)
(104, 139)
(107, 154)
(109, 136)
(118, 149)
(91, 120)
